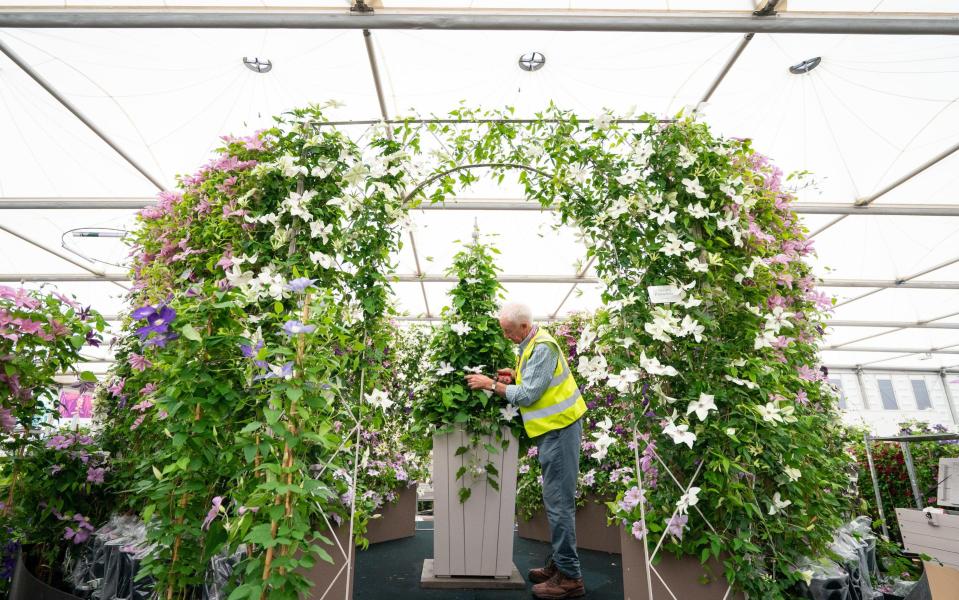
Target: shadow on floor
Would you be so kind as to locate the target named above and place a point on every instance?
(391, 571)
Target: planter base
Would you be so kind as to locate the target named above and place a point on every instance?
(333, 581)
(430, 581)
(592, 532)
(680, 574)
(396, 521)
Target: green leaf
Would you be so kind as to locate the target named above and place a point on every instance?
(294, 393)
(190, 333)
(465, 494)
(157, 473)
(148, 511)
(461, 450)
(88, 376)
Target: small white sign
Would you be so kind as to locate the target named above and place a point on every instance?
(664, 294)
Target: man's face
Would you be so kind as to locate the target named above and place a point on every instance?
(515, 333)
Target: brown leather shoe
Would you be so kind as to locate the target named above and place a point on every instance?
(559, 587)
(542, 574)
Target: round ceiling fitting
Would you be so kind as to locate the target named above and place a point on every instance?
(532, 61)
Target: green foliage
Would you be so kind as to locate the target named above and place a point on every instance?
(469, 340)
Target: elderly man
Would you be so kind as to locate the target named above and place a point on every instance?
(549, 401)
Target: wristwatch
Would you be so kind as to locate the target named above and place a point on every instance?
(492, 386)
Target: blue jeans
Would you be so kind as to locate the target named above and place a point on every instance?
(559, 458)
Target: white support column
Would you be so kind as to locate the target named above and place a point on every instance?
(950, 399)
(862, 388)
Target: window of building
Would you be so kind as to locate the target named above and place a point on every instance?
(921, 392)
(887, 394)
(837, 383)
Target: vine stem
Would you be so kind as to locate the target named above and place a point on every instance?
(197, 413)
(287, 461)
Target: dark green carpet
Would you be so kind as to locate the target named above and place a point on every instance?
(392, 570)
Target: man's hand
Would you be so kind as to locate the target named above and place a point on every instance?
(506, 376)
(479, 382)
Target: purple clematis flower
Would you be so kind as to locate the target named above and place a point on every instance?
(676, 525)
(214, 511)
(95, 474)
(160, 341)
(93, 339)
(300, 284)
(158, 321)
(284, 371)
(295, 328)
(252, 352)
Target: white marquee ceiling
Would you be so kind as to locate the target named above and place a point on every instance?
(877, 108)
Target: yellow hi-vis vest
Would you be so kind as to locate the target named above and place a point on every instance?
(561, 404)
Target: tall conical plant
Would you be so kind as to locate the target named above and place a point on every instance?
(470, 340)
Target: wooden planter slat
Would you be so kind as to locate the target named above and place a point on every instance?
(474, 538)
(441, 509)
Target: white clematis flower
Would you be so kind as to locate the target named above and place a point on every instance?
(586, 339)
(379, 399)
(321, 230)
(478, 369)
(743, 382)
(675, 246)
(444, 369)
(461, 328)
(602, 439)
(792, 473)
(770, 412)
(593, 369)
(778, 504)
(623, 380)
(702, 406)
(691, 326)
(680, 434)
(323, 260)
(508, 412)
(690, 498)
(697, 266)
(694, 187)
(686, 157)
(667, 215)
(654, 367)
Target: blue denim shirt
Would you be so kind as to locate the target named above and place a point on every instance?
(537, 373)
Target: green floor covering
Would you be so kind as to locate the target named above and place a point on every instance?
(391, 571)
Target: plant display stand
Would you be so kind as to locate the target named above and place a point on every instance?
(672, 577)
(592, 530)
(397, 520)
(472, 540)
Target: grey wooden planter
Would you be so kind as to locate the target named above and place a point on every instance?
(475, 538)
(592, 530)
(26, 586)
(333, 581)
(682, 575)
(397, 520)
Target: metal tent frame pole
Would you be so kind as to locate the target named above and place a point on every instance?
(821, 208)
(889, 370)
(929, 323)
(632, 21)
(867, 200)
(950, 400)
(46, 85)
(903, 280)
(867, 442)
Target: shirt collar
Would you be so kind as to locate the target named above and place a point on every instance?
(528, 338)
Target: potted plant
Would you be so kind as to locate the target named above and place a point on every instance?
(475, 444)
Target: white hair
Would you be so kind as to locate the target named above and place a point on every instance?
(516, 313)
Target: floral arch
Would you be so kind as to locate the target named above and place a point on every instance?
(264, 292)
